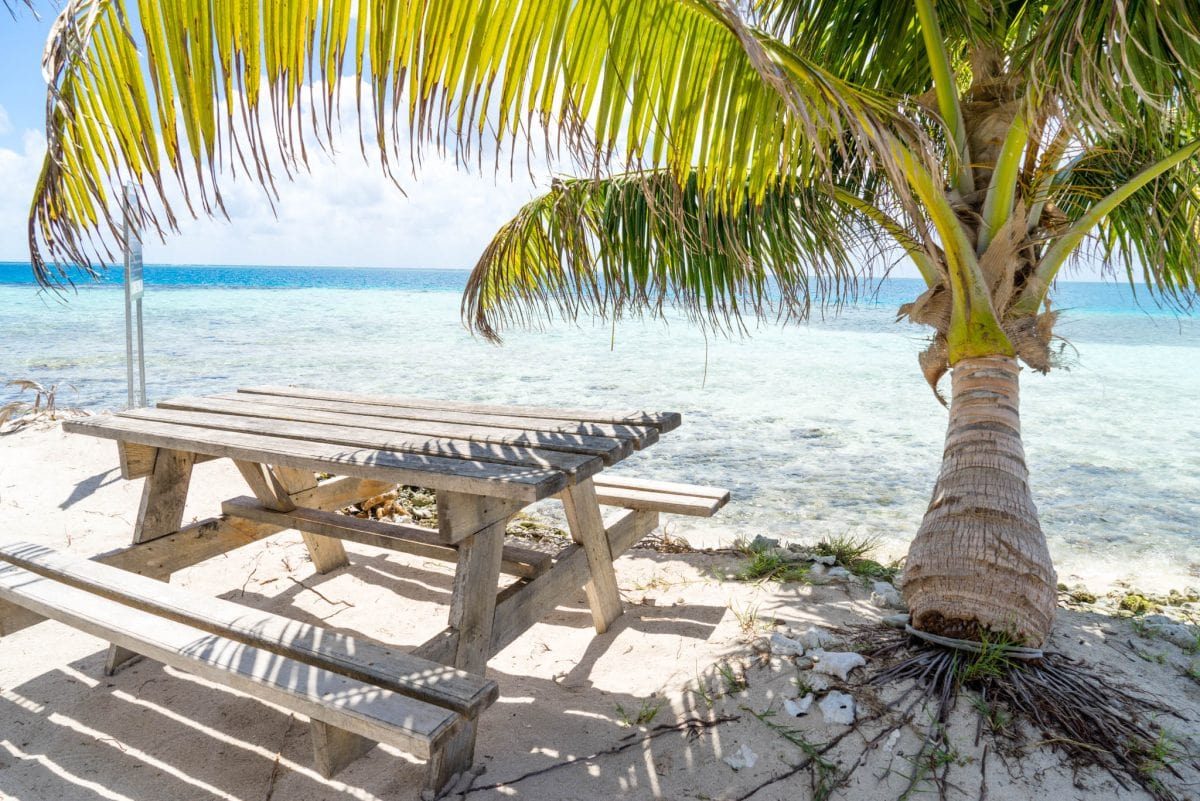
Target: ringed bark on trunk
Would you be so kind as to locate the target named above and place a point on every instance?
(979, 562)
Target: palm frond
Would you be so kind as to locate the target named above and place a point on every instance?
(681, 85)
(11, 6)
(1118, 67)
(873, 43)
(1153, 235)
(643, 243)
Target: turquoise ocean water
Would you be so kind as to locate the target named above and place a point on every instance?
(823, 428)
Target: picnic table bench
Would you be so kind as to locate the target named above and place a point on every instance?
(305, 454)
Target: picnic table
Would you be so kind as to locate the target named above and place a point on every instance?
(305, 454)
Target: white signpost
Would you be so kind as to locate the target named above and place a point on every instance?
(134, 288)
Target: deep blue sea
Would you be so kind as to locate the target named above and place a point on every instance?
(821, 428)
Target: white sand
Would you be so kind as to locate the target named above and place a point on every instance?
(68, 732)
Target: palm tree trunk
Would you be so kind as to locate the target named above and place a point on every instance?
(979, 563)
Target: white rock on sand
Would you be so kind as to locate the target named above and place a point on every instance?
(838, 708)
(816, 637)
(837, 663)
(782, 645)
(798, 706)
(887, 596)
(742, 759)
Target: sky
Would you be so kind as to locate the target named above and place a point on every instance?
(344, 213)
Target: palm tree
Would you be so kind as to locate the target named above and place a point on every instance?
(734, 160)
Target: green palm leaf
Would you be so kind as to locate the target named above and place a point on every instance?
(1118, 67)
(634, 244)
(680, 85)
(1153, 236)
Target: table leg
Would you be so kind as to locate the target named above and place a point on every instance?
(327, 553)
(472, 613)
(160, 513)
(587, 529)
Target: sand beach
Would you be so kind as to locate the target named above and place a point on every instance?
(686, 685)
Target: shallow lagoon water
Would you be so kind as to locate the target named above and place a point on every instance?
(818, 429)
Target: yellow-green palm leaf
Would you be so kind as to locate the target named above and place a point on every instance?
(185, 94)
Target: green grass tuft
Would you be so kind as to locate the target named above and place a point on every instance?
(991, 662)
(769, 565)
(645, 714)
(846, 548)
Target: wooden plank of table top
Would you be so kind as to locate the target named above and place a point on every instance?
(359, 658)
(663, 421)
(573, 464)
(640, 436)
(611, 449)
(435, 472)
(373, 712)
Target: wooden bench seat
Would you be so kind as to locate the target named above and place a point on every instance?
(356, 692)
(659, 496)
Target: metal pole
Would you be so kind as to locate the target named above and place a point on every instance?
(128, 306)
(141, 349)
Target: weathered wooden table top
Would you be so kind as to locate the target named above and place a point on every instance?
(521, 452)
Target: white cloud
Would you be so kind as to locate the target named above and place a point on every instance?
(5, 124)
(349, 213)
(340, 214)
(18, 174)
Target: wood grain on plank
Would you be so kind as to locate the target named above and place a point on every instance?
(670, 487)
(659, 501)
(352, 656)
(347, 703)
(137, 461)
(510, 481)
(203, 540)
(574, 464)
(524, 603)
(663, 421)
(639, 436)
(327, 554)
(611, 449)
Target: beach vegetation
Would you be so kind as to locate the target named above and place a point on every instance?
(749, 621)
(733, 678)
(1146, 656)
(992, 660)
(645, 714)
(846, 548)
(1135, 603)
(43, 404)
(825, 773)
(769, 564)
